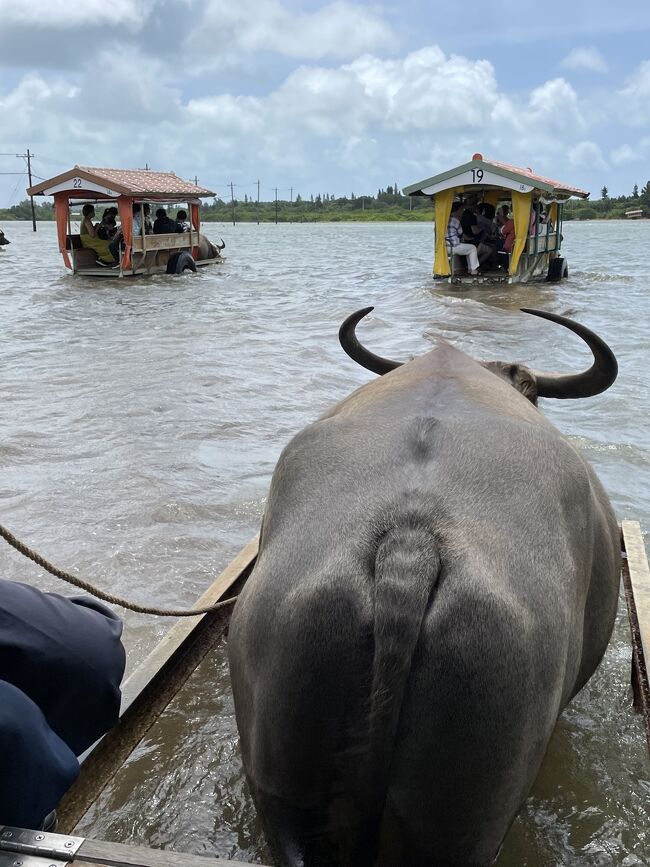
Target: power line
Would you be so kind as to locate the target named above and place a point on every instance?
(14, 191)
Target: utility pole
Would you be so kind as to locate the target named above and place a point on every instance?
(196, 181)
(258, 203)
(276, 206)
(232, 199)
(291, 195)
(29, 157)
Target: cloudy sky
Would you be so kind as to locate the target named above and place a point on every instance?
(335, 97)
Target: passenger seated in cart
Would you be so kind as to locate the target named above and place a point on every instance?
(508, 233)
(91, 239)
(107, 228)
(181, 222)
(110, 217)
(456, 246)
(469, 221)
(491, 241)
(163, 224)
(61, 664)
(502, 216)
(87, 226)
(546, 220)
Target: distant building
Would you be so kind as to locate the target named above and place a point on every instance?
(634, 214)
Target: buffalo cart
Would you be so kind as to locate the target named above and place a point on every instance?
(532, 205)
(133, 194)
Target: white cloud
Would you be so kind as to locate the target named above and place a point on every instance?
(232, 34)
(554, 106)
(33, 99)
(424, 90)
(446, 107)
(118, 85)
(233, 115)
(587, 155)
(585, 58)
(633, 101)
(625, 154)
(66, 15)
(540, 128)
(428, 90)
(235, 35)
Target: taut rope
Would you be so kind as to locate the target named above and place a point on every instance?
(101, 594)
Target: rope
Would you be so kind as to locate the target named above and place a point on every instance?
(101, 594)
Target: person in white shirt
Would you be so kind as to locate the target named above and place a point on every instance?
(454, 239)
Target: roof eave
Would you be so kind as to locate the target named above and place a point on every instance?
(108, 183)
(416, 189)
(74, 172)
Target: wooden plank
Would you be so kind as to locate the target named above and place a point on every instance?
(119, 855)
(636, 582)
(162, 242)
(150, 688)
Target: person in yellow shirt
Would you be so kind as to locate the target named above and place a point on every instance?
(91, 240)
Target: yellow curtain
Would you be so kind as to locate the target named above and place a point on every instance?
(553, 213)
(442, 202)
(492, 197)
(521, 204)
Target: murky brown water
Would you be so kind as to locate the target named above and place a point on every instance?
(141, 423)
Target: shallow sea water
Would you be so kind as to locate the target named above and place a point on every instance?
(142, 421)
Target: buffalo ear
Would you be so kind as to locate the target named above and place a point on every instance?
(524, 381)
(519, 377)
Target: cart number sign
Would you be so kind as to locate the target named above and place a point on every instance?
(479, 176)
(76, 183)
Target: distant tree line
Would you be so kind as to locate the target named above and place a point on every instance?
(388, 204)
(609, 207)
(23, 211)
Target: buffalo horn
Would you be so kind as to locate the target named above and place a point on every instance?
(596, 379)
(357, 352)
(223, 244)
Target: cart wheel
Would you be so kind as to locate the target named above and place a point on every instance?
(557, 270)
(185, 262)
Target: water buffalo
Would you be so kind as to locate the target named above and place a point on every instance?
(208, 250)
(437, 577)
(3, 240)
